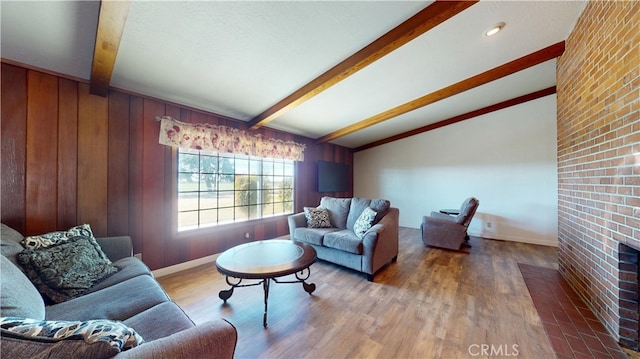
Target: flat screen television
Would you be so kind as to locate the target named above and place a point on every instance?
(333, 177)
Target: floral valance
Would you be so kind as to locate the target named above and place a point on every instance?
(225, 139)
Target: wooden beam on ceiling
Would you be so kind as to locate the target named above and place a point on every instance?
(113, 15)
(465, 116)
(425, 20)
(509, 68)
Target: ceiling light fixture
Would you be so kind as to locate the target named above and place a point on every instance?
(494, 30)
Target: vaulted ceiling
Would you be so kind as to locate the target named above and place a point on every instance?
(354, 73)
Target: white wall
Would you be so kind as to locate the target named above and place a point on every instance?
(506, 159)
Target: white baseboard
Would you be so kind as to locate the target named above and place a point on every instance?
(185, 265)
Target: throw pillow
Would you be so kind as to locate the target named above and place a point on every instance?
(364, 222)
(118, 336)
(52, 238)
(66, 270)
(317, 217)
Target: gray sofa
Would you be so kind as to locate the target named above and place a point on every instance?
(338, 243)
(130, 296)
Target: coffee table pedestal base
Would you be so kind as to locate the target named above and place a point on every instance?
(301, 277)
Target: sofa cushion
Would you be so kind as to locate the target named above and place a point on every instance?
(118, 302)
(364, 222)
(381, 206)
(357, 206)
(338, 210)
(15, 347)
(317, 217)
(312, 235)
(127, 268)
(10, 243)
(344, 240)
(152, 323)
(18, 297)
(53, 238)
(66, 269)
(116, 335)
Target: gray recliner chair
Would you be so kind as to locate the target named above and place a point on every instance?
(446, 231)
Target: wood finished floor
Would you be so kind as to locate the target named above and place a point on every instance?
(432, 303)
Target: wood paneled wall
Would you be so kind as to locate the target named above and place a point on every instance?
(69, 157)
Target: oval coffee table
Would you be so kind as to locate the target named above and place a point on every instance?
(265, 261)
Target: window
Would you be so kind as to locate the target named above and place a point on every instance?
(215, 188)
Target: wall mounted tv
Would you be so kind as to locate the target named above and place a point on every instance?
(333, 177)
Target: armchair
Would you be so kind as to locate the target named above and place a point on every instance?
(441, 230)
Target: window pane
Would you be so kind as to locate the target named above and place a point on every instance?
(278, 168)
(225, 183)
(208, 200)
(288, 207)
(287, 182)
(225, 215)
(242, 213)
(255, 167)
(208, 182)
(255, 182)
(267, 168)
(188, 163)
(226, 165)
(188, 220)
(208, 164)
(225, 199)
(208, 217)
(187, 201)
(242, 166)
(255, 212)
(187, 182)
(278, 208)
(267, 182)
(288, 169)
(267, 209)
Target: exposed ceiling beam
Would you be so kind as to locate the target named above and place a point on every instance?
(428, 18)
(465, 116)
(113, 15)
(509, 68)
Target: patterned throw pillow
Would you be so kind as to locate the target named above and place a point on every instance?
(317, 217)
(118, 336)
(53, 238)
(364, 222)
(66, 270)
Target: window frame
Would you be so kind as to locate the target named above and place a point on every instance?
(287, 181)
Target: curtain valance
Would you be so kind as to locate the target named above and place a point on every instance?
(225, 139)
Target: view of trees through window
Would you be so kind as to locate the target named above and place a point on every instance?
(218, 188)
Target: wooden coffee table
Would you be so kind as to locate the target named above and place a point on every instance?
(266, 261)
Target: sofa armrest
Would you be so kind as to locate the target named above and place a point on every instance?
(116, 247)
(296, 221)
(443, 216)
(212, 339)
(380, 242)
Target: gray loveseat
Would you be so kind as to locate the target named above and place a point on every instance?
(130, 296)
(337, 241)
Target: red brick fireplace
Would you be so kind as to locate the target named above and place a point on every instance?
(598, 89)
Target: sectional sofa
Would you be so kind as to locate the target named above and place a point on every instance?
(129, 303)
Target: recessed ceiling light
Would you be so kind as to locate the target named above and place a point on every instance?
(494, 30)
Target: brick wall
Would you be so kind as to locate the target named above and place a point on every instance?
(598, 86)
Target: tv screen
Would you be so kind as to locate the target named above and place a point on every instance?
(333, 177)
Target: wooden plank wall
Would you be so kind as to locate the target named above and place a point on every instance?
(69, 157)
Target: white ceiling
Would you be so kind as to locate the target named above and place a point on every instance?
(238, 58)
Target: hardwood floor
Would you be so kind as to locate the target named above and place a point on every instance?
(431, 303)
